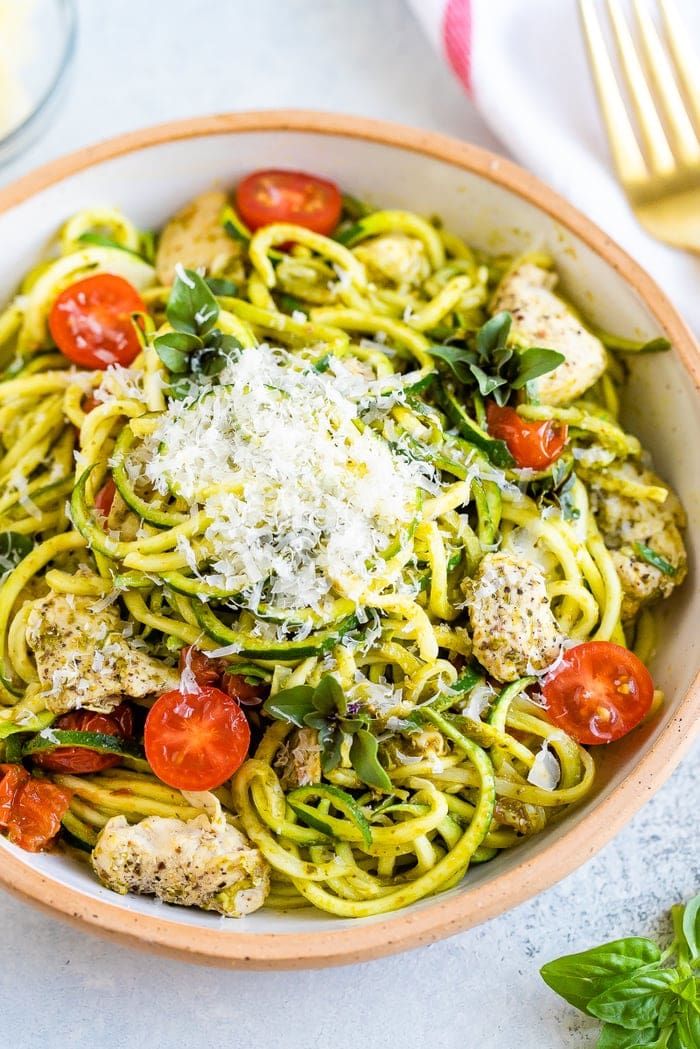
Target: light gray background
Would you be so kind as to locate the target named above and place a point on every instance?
(140, 62)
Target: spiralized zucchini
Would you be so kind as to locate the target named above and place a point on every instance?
(459, 754)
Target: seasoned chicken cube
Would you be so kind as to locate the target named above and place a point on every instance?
(626, 519)
(83, 658)
(202, 862)
(395, 257)
(513, 628)
(300, 759)
(541, 318)
(195, 237)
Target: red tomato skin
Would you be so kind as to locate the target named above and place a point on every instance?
(533, 445)
(105, 498)
(264, 197)
(196, 741)
(239, 689)
(598, 693)
(206, 671)
(78, 760)
(31, 810)
(90, 321)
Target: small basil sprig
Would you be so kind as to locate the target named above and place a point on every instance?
(326, 709)
(195, 347)
(488, 364)
(630, 986)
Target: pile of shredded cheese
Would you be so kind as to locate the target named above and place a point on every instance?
(303, 495)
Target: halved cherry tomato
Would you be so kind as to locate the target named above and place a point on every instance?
(105, 498)
(289, 196)
(533, 445)
(599, 692)
(90, 321)
(120, 722)
(196, 741)
(31, 810)
(90, 403)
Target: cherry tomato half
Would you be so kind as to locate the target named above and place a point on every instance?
(599, 692)
(81, 759)
(208, 671)
(31, 809)
(533, 445)
(289, 196)
(196, 741)
(90, 321)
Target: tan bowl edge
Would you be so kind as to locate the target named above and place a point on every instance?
(405, 929)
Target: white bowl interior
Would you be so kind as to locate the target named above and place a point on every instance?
(662, 406)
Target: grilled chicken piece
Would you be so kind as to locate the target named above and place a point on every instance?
(541, 318)
(625, 520)
(513, 628)
(202, 862)
(195, 237)
(300, 759)
(84, 659)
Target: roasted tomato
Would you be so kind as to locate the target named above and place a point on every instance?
(196, 741)
(598, 692)
(119, 723)
(31, 809)
(533, 445)
(289, 196)
(90, 321)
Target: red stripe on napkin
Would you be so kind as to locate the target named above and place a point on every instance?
(457, 38)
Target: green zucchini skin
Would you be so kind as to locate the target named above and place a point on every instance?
(282, 651)
(497, 451)
(56, 738)
(141, 507)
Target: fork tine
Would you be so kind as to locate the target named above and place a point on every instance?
(685, 61)
(657, 146)
(678, 122)
(627, 156)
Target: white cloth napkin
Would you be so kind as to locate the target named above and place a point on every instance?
(524, 66)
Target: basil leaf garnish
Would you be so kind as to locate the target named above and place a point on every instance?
(192, 307)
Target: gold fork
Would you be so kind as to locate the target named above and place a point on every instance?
(659, 163)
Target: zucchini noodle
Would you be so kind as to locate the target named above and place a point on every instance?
(339, 330)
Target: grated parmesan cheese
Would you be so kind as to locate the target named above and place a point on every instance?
(302, 494)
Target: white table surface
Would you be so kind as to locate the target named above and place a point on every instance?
(144, 61)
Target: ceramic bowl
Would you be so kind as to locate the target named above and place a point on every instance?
(492, 203)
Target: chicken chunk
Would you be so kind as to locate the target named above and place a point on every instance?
(513, 628)
(195, 237)
(83, 658)
(300, 759)
(626, 518)
(202, 862)
(541, 318)
(395, 257)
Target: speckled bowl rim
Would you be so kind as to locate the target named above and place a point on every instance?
(451, 914)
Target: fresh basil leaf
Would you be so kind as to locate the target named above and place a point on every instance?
(579, 978)
(174, 349)
(486, 383)
(688, 1027)
(329, 698)
(634, 1002)
(191, 307)
(103, 241)
(691, 926)
(614, 1037)
(331, 740)
(181, 389)
(14, 547)
(494, 334)
(290, 704)
(534, 362)
(459, 361)
(652, 558)
(230, 345)
(364, 760)
(221, 286)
